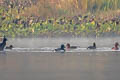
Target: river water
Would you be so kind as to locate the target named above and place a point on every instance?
(33, 64)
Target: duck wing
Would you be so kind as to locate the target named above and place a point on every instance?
(73, 47)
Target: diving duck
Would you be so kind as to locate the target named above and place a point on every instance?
(9, 47)
(61, 49)
(3, 44)
(92, 47)
(116, 46)
(68, 46)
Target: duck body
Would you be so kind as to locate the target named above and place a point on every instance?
(73, 47)
(61, 49)
(92, 47)
(114, 48)
(70, 47)
(3, 44)
(9, 47)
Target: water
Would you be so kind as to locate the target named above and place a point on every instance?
(60, 66)
(25, 62)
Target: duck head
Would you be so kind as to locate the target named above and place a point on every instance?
(11, 46)
(62, 46)
(4, 39)
(116, 45)
(94, 44)
(68, 45)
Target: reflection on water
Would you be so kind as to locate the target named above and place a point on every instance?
(57, 66)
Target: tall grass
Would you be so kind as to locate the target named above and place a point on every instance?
(71, 7)
(61, 7)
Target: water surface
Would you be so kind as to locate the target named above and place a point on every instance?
(90, 65)
(59, 66)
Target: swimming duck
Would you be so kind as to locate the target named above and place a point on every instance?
(61, 49)
(116, 46)
(92, 47)
(3, 44)
(9, 47)
(70, 47)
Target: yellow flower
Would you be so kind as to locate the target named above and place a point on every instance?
(93, 22)
(83, 27)
(108, 29)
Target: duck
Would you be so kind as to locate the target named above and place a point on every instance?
(68, 46)
(92, 47)
(116, 46)
(61, 49)
(9, 47)
(3, 44)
